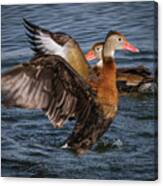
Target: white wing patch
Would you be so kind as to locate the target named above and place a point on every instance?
(48, 45)
(45, 41)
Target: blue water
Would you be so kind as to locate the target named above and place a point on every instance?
(31, 146)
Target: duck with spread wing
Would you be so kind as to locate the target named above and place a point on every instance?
(50, 83)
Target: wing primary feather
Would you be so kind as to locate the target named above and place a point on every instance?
(34, 28)
(32, 37)
(52, 43)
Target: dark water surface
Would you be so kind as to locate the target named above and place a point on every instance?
(31, 146)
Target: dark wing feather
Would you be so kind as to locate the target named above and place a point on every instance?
(43, 41)
(50, 84)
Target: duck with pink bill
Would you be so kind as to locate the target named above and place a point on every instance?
(129, 79)
(49, 83)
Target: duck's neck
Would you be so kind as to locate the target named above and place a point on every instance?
(107, 93)
(109, 65)
(76, 59)
(108, 51)
(109, 72)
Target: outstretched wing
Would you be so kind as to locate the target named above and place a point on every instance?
(50, 84)
(45, 42)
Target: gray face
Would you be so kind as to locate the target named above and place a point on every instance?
(98, 51)
(117, 41)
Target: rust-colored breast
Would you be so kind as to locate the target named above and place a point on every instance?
(107, 94)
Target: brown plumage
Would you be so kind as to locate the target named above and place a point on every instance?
(49, 83)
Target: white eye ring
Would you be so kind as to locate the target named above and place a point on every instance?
(98, 49)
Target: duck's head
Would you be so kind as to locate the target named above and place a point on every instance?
(114, 41)
(95, 52)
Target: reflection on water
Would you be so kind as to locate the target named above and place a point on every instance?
(30, 145)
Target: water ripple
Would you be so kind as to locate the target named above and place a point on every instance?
(31, 146)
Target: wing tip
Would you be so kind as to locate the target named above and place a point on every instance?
(27, 23)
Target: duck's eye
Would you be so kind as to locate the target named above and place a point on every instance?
(119, 39)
